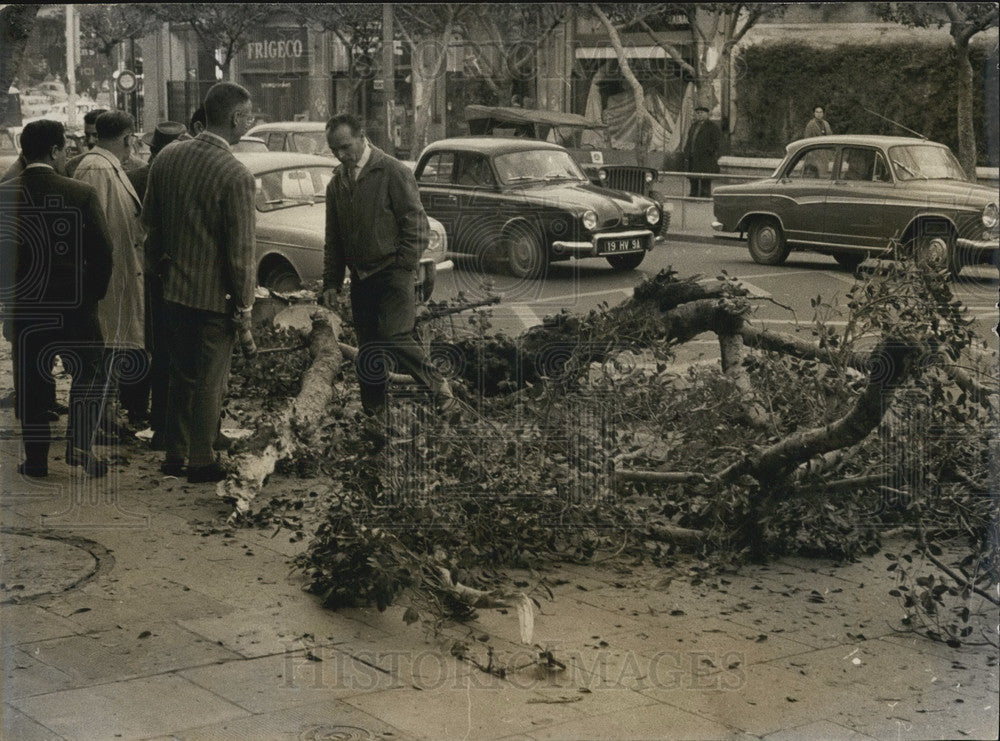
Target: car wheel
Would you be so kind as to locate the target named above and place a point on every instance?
(626, 262)
(767, 242)
(282, 278)
(850, 260)
(526, 255)
(937, 252)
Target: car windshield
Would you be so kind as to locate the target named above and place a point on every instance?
(925, 162)
(292, 187)
(537, 165)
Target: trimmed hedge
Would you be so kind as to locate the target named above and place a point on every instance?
(779, 84)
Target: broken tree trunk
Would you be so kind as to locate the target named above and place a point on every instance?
(297, 425)
(891, 364)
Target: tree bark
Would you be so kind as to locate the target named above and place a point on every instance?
(963, 106)
(295, 427)
(16, 24)
(772, 464)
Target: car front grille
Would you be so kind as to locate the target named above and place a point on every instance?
(629, 179)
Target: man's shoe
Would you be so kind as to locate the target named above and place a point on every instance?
(207, 474)
(91, 464)
(35, 470)
(169, 468)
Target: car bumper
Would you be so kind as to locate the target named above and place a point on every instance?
(979, 245)
(592, 248)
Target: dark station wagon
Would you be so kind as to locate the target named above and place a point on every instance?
(528, 203)
(620, 169)
(858, 196)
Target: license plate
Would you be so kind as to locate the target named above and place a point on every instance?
(614, 246)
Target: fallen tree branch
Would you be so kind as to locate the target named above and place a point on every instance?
(891, 363)
(677, 535)
(293, 427)
(662, 477)
(765, 339)
(966, 582)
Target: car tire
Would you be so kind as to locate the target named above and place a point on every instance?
(850, 260)
(282, 278)
(526, 255)
(626, 262)
(937, 252)
(767, 242)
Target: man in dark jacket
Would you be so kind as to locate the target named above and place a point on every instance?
(377, 228)
(56, 264)
(701, 151)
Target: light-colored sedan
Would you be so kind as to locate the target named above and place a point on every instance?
(291, 222)
(306, 137)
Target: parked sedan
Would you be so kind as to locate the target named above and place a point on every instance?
(858, 196)
(307, 137)
(529, 203)
(291, 221)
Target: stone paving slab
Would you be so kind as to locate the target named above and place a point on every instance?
(298, 678)
(134, 709)
(117, 653)
(24, 676)
(19, 727)
(474, 709)
(653, 721)
(27, 623)
(330, 719)
(255, 633)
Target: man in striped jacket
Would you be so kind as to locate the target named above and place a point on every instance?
(199, 212)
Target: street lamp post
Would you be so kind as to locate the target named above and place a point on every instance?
(71, 44)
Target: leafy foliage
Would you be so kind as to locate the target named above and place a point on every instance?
(909, 83)
(417, 508)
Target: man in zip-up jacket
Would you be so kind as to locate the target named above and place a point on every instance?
(200, 215)
(377, 228)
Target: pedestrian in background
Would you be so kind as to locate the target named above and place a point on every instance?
(55, 264)
(818, 125)
(701, 151)
(200, 215)
(89, 138)
(376, 227)
(154, 391)
(122, 310)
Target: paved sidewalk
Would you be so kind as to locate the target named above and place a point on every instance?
(137, 618)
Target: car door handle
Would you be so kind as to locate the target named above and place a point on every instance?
(450, 197)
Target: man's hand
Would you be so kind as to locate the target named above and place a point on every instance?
(244, 335)
(329, 297)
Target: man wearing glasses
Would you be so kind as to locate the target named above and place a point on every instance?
(200, 214)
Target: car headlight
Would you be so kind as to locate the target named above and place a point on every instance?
(990, 216)
(652, 214)
(436, 241)
(602, 174)
(649, 177)
(589, 220)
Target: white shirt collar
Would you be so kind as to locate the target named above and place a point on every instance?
(37, 165)
(365, 154)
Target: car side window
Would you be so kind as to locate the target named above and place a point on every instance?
(882, 173)
(813, 164)
(276, 141)
(473, 170)
(438, 169)
(857, 164)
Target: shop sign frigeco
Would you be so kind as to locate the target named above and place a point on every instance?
(277, 49)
